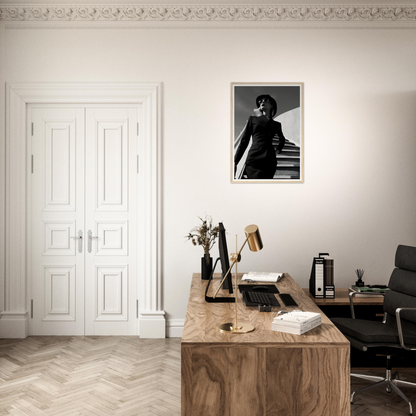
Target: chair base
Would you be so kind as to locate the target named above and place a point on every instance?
(391, 381)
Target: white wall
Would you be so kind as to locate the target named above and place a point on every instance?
(358, 201)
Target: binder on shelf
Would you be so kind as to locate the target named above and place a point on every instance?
(321, 282)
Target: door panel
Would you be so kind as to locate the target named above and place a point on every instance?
(112, 238)
(60, 165)
(112, 164)
(112, 285)
(58, 241)
(60, 297)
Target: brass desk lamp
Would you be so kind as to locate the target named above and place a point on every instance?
(255, 244)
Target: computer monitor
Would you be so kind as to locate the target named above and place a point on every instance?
(225, 265)
(225, 262)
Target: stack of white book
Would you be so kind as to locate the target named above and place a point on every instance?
(296, 322)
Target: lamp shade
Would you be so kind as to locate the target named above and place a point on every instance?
(254, 238)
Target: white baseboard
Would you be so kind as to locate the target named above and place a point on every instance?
(14, 324)
(152, 324)
(175, 328)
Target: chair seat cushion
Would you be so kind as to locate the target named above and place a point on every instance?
(371, 331)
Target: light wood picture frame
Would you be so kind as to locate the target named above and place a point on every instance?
(258, 137)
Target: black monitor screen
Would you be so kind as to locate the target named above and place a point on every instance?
(225, 262)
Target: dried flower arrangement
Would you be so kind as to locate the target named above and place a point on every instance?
(204, 235)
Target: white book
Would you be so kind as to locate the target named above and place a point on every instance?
(297, 319)
(262, 277)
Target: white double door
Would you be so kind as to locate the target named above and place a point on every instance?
(83, 220)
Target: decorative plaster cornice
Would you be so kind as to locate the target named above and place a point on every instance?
(334, 13)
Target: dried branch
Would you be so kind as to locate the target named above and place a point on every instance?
(204, 235)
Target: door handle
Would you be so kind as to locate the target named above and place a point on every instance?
(90, 237)
(79, 238)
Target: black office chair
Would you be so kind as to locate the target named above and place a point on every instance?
(398, 329)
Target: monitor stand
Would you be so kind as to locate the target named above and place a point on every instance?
(217, 299)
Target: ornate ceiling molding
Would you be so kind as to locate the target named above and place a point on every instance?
(292, 13)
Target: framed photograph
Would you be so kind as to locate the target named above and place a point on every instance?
(267, 132)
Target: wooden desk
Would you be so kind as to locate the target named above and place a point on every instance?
(265, 372)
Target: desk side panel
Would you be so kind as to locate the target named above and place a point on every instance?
(326, 381)
(205, 386)
(223, 381)
(284, 381)
(269, 381)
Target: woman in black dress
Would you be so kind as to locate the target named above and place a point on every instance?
(261, 159)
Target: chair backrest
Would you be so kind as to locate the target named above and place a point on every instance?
(402, 285)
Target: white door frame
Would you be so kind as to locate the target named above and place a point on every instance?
(16, 313)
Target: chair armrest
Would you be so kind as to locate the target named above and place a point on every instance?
(352, 294)
(399, 327)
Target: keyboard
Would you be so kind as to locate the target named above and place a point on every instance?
(258, 298)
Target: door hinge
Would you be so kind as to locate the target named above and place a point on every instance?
(137, 308)
(137, 128)
(32, 129)
(32, 164)
(138, 168)
(31, 308)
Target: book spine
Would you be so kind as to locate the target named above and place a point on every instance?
(313, 322)
(309, 327)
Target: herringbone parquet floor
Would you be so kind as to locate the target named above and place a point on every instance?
(121, 376)
(90, 376)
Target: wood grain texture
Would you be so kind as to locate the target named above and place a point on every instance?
(284, 384)
(325, 388)
(263, 373)
(248, 380)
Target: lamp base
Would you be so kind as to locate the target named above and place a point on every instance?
(243, 328)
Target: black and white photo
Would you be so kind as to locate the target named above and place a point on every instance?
(267, 132)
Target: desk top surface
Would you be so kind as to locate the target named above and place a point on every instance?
(203, 318)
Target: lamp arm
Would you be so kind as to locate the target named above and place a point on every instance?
(241, 249)
(232, 265)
